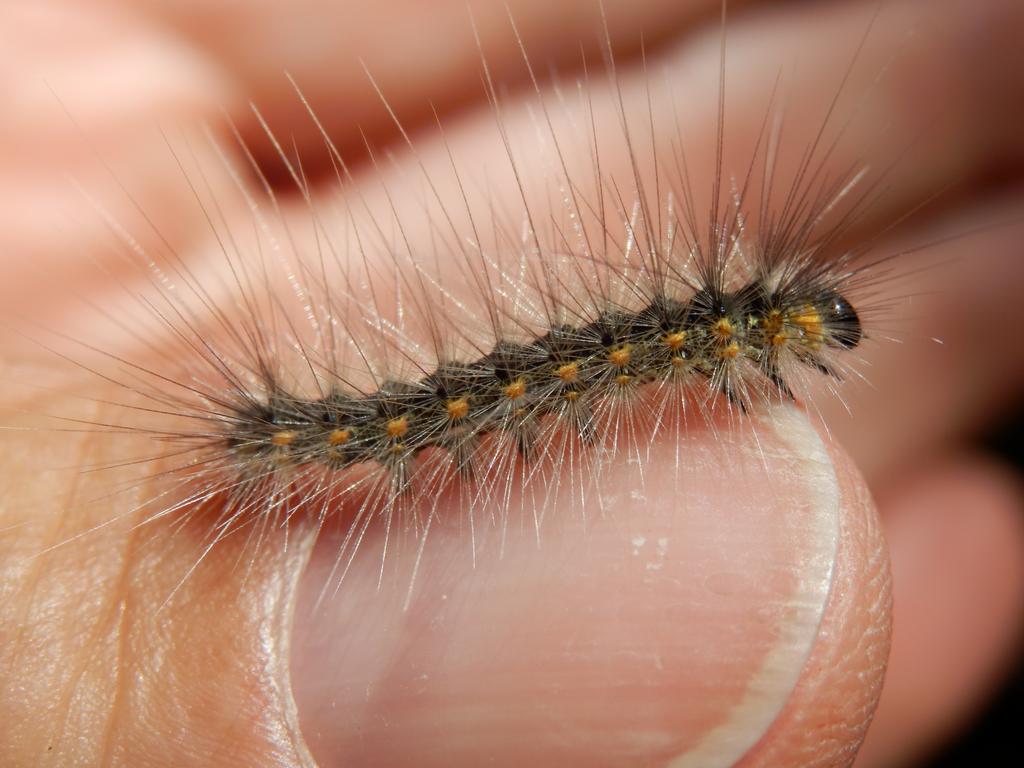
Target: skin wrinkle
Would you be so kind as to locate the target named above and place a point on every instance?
(120, 617)
(140, 691)
(30, 585)
(116, 624)
(76, 686)
(120, 686)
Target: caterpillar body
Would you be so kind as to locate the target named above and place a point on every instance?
(601, 350)
(477, 346)
(567, 373)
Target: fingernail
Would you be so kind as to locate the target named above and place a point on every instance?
(661, 616)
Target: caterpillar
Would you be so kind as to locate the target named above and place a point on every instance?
(595, 315)
(566, 374)
(479, 342)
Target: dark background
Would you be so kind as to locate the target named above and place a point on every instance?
(994, 738)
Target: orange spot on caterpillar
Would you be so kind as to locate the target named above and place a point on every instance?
(339, 436)
(620, 357)
(568, 373)
(723, 329)
(674, 341)
(284, 438)
(515, 390)
(810, 322)
(457, 409)
(773, 328)
(730, 350)
(397, 428)
(773, 323)
(572, 396)
(622, 379)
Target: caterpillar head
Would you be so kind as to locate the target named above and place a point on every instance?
(841, 321)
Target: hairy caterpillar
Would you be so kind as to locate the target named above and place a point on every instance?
(618, 297)
(386, 351)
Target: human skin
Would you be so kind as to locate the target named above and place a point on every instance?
(101, 672)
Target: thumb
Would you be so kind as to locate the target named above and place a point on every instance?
(724, 600)
(736, 610)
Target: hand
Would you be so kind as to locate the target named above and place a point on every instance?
(602, 645)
